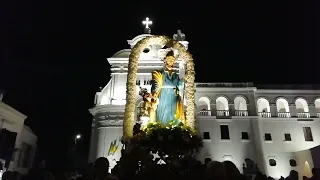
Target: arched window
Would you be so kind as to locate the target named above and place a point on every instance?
(272, 162)
(293, 162)
(283, 108)
(240, 106)
(302, 108)
(263, 108)
(203, 106)
(222, 106)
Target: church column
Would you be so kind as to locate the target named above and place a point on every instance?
(93, 142)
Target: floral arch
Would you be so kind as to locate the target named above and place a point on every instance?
(131, 80)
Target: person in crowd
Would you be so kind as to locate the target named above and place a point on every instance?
(232, 172)
(9, 175)
(315, 174)
(40, 172)
(215, 171)
(293, 175)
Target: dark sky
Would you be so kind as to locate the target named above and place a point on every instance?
(53, 53)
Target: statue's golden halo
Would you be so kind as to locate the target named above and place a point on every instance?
(130, 108)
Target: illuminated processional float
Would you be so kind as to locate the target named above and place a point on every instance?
(163, 105)
(169, 134)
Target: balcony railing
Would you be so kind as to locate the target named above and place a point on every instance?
(303, 115)
(264, 114)
(240, 113)
(260, 114)
(223, 113)
(284, 114)
(205, 113)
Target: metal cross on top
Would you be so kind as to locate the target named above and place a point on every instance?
(147, 23)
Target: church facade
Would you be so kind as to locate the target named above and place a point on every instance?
(271, 129)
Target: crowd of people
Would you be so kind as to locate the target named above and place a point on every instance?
(99, 170)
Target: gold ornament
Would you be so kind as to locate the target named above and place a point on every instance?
(132, 74)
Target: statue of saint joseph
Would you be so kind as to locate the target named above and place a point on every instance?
(164, 103)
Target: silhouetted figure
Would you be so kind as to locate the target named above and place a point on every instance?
(293, 175)
(231, 170)
(215, 171)
(315, 174)
(101, 170)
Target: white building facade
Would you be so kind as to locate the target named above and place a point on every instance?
(25, 141)
(274, 129)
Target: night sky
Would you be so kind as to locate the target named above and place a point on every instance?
(53, 53)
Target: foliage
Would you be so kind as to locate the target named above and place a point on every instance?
(172, 139)
(158, 146)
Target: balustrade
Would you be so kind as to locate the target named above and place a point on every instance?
(223, 113)
(284, 114)
(241, 113)
(303, 115)
(260, 114)
(205, 113)
(264, 114)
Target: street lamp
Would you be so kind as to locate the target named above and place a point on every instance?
(76, 138)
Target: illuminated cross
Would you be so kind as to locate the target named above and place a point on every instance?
(147, 23)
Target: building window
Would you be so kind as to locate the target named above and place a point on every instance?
(287, 137)
(307, 134)
(224, 129)
(267, 137)
(206, 135)
(293, 163)
(272, 162)
(245, 135)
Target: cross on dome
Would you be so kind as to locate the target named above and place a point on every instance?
(147, 23)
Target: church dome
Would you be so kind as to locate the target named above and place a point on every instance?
(137, 39)
(124, 53)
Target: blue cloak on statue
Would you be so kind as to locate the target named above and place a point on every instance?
(166, 87)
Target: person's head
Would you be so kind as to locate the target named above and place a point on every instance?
(231, 169)
(215, 170)
(147, 97)
(169, 60)
(294, 174)
(101, 166)
(315, 171)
